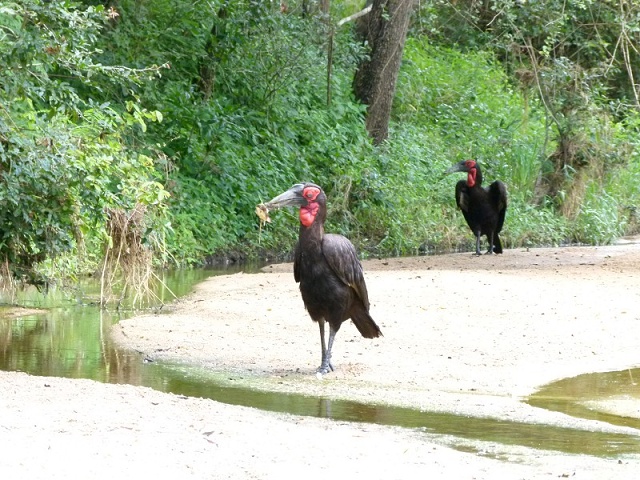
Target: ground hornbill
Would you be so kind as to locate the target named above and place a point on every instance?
(483, 208)
(328, 270)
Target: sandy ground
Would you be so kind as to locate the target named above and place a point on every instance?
(465, 335)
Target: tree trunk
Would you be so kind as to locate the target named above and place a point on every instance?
(209, 64)
(385, 30)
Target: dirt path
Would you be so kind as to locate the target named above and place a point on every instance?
(461, 334)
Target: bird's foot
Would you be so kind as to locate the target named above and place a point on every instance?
(325, 368)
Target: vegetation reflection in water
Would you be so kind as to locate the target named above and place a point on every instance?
(191, 381)
(586, 396)
(71, 339)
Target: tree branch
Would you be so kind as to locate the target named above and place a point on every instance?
(355, 16)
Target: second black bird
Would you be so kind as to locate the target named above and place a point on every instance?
(483, 208)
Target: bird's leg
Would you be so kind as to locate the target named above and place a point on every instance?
(490, 238)
(327, 358)
(478, 243)
(326, 366)
(322, 344)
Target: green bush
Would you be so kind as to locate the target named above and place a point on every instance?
(202, 110)
(63, 157)
(468, 100)
(598, 221)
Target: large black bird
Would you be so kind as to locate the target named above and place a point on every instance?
(328, 270)
(483, 208)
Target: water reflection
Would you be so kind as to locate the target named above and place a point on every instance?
(577, 396)
(196, 382)
(71, 339)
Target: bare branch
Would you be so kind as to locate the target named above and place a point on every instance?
(355, 16)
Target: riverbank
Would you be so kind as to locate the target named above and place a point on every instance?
(465, 335)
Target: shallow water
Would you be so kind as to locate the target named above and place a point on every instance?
(71, 339)
(197, 382)
(594, 396)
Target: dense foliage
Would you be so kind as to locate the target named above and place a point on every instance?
(200, 110)
(63, 155)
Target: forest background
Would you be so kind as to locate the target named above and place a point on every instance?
(145, 132)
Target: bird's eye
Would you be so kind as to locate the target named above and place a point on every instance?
(311, 193)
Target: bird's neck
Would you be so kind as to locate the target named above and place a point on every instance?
(311, 236)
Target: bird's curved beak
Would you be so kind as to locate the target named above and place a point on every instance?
(458, 167)
(291, 198)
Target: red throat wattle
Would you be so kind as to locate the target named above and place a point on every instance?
(471, 177)
(308, 213)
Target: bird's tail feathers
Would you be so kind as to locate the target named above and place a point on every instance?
(365, 325)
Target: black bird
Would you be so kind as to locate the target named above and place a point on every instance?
(328, 270)
(483, 208)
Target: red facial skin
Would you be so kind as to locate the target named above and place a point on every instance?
(309, 211)
(471, 176)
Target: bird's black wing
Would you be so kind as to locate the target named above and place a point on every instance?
(342, 257)
(463, 200)
(462, 195)
(296, 262)
(498, 196)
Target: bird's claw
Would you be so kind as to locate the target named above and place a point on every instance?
(325, 368)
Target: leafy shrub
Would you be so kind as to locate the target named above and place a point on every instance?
(94, 119)
(467, 98)
(527, 225)
(63, 158)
